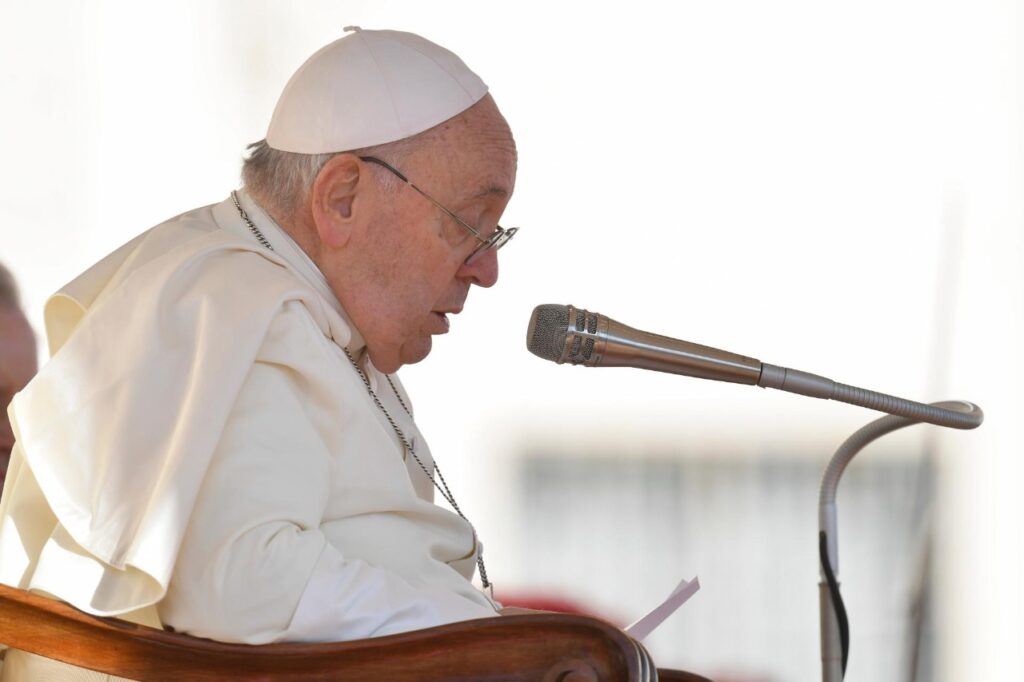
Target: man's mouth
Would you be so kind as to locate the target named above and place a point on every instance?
(442, 319)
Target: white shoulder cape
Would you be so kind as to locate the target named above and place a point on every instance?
(122, 469)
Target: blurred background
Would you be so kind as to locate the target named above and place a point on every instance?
(835, 187)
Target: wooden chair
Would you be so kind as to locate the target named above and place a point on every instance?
(545, 647)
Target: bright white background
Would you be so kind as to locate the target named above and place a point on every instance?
(830, 186)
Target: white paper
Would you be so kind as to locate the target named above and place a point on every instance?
(646, 625)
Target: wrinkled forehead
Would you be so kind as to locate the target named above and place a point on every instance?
(480, 127)
(488, 170)
(477, 154)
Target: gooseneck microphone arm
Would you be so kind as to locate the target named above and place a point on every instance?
(568, 334)
(835, 637)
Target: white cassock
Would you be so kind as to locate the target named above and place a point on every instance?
(200, 453)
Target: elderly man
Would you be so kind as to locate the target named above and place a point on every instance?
(219, 444)
(17, 359)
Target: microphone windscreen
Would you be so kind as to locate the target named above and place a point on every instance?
(549, 325)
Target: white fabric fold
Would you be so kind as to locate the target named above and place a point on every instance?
(119, 441)
(179, 362)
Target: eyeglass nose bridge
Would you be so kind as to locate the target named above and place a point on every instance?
(494, 242)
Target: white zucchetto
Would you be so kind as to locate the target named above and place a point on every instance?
(370, 88)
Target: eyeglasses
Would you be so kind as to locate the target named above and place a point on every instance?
(497, 240)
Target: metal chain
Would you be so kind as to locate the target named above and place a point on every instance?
(443, 486)
(252, 228)
(399, 396)
(447, 492)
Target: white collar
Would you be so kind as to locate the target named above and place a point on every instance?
(287, 248)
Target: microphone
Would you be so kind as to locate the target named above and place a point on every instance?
(564, 333)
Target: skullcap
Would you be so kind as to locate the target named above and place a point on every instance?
(369, 88)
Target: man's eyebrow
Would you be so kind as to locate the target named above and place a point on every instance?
(492, 190)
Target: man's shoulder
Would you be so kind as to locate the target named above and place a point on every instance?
(185, 247)
(195, 235)
(186, 261)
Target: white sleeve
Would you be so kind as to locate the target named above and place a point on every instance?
(255, 566)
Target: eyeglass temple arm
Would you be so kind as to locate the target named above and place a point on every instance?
(435, 202)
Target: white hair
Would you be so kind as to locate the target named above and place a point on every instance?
(280, 181)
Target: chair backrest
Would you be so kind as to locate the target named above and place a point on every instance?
(547, 647)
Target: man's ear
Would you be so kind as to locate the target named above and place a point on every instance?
(334, 199)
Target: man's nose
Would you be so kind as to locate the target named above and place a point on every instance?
(483, 271)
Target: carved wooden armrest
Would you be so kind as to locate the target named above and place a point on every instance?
(547, 647)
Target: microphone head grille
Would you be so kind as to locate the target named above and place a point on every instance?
(549, 325)
(582, 351)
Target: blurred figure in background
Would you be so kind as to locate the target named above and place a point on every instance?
(17, 359)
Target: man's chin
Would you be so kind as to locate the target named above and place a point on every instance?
(416, 350)
(408, 353)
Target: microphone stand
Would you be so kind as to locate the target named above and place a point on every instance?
(568, 334)
(835, 637)
(835, 631)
